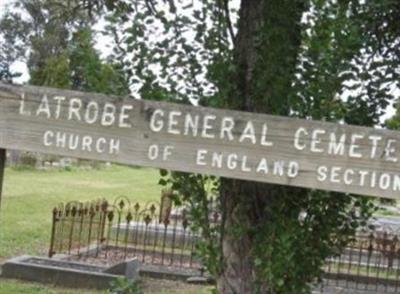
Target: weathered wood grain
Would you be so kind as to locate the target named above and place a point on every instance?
(379, 157)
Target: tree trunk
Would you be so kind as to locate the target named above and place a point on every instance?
(265, 56)
(239, 213)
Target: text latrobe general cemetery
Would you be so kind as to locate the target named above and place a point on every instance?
(225, 143)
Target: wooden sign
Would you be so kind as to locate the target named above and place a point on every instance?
(232, 144)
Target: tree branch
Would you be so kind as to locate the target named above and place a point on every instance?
(151, 7)
(228, 21)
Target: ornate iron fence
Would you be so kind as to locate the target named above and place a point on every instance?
(159, 233)
(370, 263)
(156, 233)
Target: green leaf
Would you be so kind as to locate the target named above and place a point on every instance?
(162, 182)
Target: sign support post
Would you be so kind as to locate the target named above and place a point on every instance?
(3, 154)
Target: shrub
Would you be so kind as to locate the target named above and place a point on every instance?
(124, 286)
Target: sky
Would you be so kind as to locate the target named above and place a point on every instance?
(102, 46)
(17, 66)
(20, 67)
(2, 3)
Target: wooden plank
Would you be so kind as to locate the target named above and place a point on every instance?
(3, 155)
(220, 142)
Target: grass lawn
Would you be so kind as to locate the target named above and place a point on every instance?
(29, 197)
(149, 286)
(11, 286)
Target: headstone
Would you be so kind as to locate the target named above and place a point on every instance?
(128, 268)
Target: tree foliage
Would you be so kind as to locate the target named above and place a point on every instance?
(11, 48)
(349, 61)
(325, 60)
(394, 122)
(56, 41)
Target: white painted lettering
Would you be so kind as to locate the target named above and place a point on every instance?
(87, 143)
(354, 147)
(279, 168)
(374, 139)
(61, 139)
(316, 140)
(322, 173)
(73, 142)
(44, 107)
(22, 110)
(373, 180)
(263, 166)
(75, 105)
(192, 124)
(114, 146)
(207, 126)
(334, 178)
(264, 132)
(153, 152)
(248, 133)
(124, 116)
(396, 183)
(362, 174)
(384, 181)
(335, 147)
(100, 145)
(232, 161)
(200, 157)
(108, 116)
(390, 150)
(173, 122)
(156, 125)
(92, 112)
(59, 99)
(227, 125)
(245, 168)
(297, 144)
(167, 152)
(48, 135)
(216, 160)
(293, 169)
(348, 176)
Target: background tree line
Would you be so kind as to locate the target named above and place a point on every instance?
(56, 41)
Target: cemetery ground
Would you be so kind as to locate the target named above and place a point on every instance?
(150, 286)
(26, 213)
